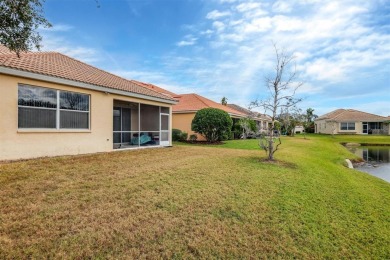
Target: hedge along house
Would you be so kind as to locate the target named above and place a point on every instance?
(52, 105)
(350, 121)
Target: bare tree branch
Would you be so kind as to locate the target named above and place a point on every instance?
(282, 87)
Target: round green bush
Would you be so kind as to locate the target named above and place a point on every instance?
(214, 124)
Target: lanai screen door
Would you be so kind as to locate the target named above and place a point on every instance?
(164, 130)
(137, 124)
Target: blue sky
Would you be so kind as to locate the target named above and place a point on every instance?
(222, 48)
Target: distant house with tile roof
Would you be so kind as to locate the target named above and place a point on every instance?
(188, 104)
(351, 121)
(55, 105)
(262, 120)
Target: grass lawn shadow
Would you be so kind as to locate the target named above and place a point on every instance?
(264, 161)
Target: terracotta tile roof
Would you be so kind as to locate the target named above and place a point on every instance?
(255, 115)
(61, 66)
(5, 50)
(340, 115)
(194, 102)
(155, 88)
(331, 114)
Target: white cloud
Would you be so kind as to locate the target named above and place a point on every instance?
(282, 7)
(377, 107)
(245, 7)
(236, 22)
(213, 15)
(219, 26)
(232, 37)
(283, 23)
(308, 88)
(187, 41)
(323, 69)
(227, 1)
(206, 32)
(53, 42)
(159, 79)
(257, 25)
(334, 42)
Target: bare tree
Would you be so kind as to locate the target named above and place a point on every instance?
(282, 87)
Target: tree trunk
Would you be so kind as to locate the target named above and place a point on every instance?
(271, 149)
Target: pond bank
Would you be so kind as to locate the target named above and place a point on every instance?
(375, 159)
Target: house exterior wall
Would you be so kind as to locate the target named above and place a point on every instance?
(323, 127)
(326, 127)
(182, 121)
(386, 128)
(30, 143)
(299, 128)
(358, 128)
(262, 126)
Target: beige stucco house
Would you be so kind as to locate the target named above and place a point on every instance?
(188, 104)
(52, 105)
(350, 121)
(262, 120)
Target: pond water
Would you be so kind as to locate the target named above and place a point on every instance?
(377, 160)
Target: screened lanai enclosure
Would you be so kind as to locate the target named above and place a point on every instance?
(140, 125)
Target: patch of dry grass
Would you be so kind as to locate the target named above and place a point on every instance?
(187, 202)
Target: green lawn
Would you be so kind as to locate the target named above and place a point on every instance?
(197, 202)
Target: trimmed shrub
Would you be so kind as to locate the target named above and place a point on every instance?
(193, 138)
(214, 124)
(176, 134)
(183, 136)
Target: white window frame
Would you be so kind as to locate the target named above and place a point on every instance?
(58, 110)
(348, 126)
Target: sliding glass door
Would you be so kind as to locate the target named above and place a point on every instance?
(365, 128)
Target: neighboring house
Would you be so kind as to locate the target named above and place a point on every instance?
(188, 104)
(55, 105)
(262, 120)
(299, 129)
(350, 121)
(184, 111)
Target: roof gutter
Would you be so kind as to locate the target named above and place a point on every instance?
(36, 76)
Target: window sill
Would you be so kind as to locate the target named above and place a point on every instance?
(39, 130)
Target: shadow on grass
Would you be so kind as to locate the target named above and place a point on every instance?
(265, 161)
